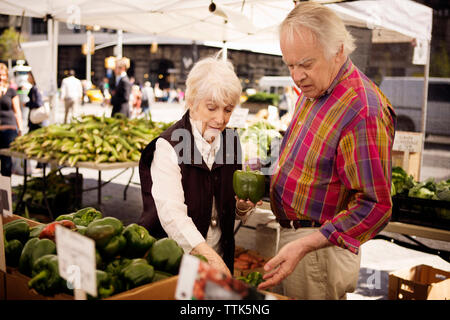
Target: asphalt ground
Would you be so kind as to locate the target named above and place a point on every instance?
(379, 257)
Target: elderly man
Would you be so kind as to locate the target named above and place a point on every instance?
(330, 190)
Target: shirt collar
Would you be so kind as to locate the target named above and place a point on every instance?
(338, 77)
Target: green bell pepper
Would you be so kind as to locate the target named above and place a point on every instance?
(33, 250)
(138, 241)
(107, 234)
(13, 250)
(103, 230)
(82, 217)
(114, 247)
(137, 273)
(17, 229)
(114, 269)
(45, 276)
(36, 231)
(249, 184)
(165, 255)
(105, 287)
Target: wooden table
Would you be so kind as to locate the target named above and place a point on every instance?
(81, 164)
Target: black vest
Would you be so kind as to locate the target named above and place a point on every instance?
(199, 183)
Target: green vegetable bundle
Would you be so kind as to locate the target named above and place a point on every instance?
(92, 139)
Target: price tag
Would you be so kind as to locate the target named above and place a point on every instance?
(238, 118)
(76, 260)
(5, 196)
(407, 141)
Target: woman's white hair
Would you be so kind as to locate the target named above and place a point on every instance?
(324, 24)
(212, 78)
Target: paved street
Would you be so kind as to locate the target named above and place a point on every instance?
(379, 257)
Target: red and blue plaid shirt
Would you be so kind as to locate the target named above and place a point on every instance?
(335, 161)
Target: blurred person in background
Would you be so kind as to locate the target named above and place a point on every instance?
(34, 101)
(120, 95)
(148, 97)
(10, 118)
(71, 94)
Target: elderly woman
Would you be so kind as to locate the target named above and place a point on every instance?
(10, 118)
(187, 172)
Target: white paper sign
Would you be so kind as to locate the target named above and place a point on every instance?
(238, 118)
(420, 52)
(407, 141)
(76, 259)
(5, 196)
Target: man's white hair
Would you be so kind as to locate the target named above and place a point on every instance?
(327, 28)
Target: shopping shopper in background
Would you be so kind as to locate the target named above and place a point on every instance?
(71, 94)
(34, 101)
(189, 195)
(148, 97)
(10, 118)
(331, 188)
(120, 96)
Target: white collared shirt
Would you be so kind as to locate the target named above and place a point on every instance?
(168, 193)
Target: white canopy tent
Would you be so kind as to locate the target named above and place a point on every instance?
(245, 25)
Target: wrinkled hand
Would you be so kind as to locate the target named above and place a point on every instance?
(283, 264)
(214, 260)
(246, 205)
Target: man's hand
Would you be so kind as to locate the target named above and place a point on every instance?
(284, 263)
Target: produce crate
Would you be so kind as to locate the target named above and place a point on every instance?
(16, 284)
(421, 282)
(423, 212)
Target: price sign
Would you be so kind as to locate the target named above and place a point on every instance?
(238, 118)
(407, 141)
(76, 260)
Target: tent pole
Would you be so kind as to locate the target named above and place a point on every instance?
(88, 55)
(119, 44)
(425, 104)
(52, 32)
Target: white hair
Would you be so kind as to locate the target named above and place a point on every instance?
(215, 79)
(324, 24)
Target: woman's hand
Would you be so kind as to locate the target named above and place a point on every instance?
(214, 260)
(244, 206)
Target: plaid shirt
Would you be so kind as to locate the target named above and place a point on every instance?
(335, 161)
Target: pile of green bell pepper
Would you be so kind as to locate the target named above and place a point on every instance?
(82, 217)
(249, 184)
(138, 239)
(45, 276)
(107, 234)
(165, 255)
(33, 250)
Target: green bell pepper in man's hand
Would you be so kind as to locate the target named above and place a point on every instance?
(248, 184)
